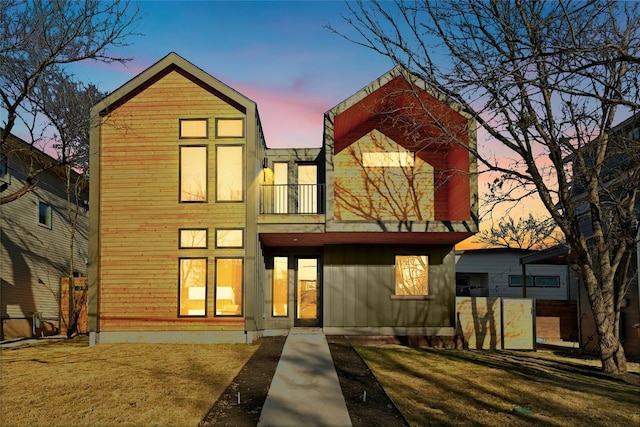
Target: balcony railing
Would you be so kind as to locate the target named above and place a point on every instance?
(296, 199)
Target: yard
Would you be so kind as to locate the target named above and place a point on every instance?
(67, 383)
(487, 388)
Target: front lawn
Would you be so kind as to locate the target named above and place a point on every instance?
(435, 387)
(68, 383)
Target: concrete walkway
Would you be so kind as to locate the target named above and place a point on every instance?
(305, 390)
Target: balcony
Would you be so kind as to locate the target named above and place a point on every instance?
(292, 199)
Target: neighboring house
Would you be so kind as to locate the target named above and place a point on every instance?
(200, 233)
(35, 241)
(498, 272)
(626, 134)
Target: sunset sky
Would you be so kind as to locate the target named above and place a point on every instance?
(278, 53)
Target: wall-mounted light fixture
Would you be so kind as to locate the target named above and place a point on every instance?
(265, 163)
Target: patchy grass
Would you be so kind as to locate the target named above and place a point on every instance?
(68, 383)
(453, 387)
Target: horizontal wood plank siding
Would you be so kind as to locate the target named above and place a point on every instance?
(140, 212)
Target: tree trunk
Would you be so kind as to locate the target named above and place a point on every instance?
(612, 354)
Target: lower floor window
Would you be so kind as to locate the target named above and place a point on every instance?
(229, 286)
(412, 275)
(280, 286)
(193, 286)
(535, 281)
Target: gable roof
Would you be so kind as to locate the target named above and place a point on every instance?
(369, 108)
(173, 62)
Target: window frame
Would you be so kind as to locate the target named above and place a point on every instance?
(206, 178)
(242, 173)
(241, 230)
(533, 282)
(395, 295)
(206, 287)
(273, 288)
(219, 119)
(196, 119)
(242, 296)
(49, 215)
(206, 238)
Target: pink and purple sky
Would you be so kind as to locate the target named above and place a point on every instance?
(277, 53)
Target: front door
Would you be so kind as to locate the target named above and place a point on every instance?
(308, 292)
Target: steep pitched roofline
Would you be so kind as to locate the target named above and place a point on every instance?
(386, 78)
(172, 62)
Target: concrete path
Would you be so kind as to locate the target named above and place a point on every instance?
(305, 390)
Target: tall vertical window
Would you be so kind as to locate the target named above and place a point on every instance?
(193, 286)
(281, 187)
(412, 275)
(229, 178)
(307, 189)
(44, 214)
(229, 287)
(280, 286)
(193, 174)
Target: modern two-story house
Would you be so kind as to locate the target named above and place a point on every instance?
(201, 233)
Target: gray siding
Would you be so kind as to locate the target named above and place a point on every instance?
(491, 269)
(34, 258)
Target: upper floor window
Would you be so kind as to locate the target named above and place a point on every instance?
(44, 214)
(194, 128)
(412, 275)
(229, 128)
(229, 178)
(381, 159)
(193, 173)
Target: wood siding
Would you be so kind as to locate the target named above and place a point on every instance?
(140, 212)
(359, 282)
(34, 258)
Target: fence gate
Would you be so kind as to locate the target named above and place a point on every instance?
(496, 323)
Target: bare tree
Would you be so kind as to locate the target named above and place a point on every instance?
(67, 106)
(526, 233)
(547, 82)
(37, 40)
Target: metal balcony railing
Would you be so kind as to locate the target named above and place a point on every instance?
(295, 199)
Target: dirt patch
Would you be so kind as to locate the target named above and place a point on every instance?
(253, 381)
(376, 409)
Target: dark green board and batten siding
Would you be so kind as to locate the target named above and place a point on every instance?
(359, 284)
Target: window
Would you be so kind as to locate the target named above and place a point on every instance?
(412, 275)
(193, 174)
(4, 167)
(229, 287)
(231, 238)
(194, 128)
(387, 159)
(229, 179)
(193, 238)
(230, 128)
(44, 214)
(535, 281)
(193, 286)
(280, 286)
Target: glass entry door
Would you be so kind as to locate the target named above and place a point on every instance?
(308, 291)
